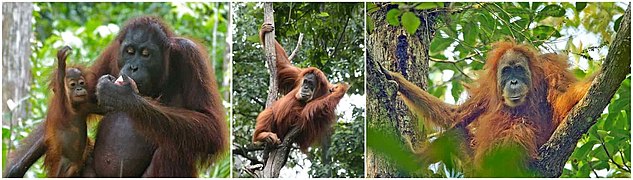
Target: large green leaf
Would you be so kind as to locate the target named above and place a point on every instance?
(392, 17)
(411, 22)
(552, 10)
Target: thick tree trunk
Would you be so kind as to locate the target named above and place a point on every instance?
(397, 51)
(16, 36)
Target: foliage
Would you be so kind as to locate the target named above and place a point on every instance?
(333, 42)
(89, 27)
(581, 30)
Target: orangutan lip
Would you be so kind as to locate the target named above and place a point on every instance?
(514, 98)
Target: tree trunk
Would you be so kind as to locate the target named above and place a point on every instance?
(397, 51)
(269, 49)
(16, 36)
(227, 67)
(274, 157)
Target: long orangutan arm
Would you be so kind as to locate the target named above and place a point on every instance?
(325, 105)
(564, 89)
(564, 102)
(287, 74)
(431, 108)
(189, 128)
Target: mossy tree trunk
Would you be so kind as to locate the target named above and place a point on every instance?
(398, 51)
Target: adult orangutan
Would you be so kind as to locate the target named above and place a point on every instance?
(309, 102)
(168, 122)
(518, 100)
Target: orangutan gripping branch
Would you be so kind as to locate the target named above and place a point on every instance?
(309, 103)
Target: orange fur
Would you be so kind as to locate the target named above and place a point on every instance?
(552, 94)
(65, 126)
(314, 117)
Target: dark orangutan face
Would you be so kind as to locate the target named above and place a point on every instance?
(142, 58)
(514, 78)
(76, 86)
(308, 86)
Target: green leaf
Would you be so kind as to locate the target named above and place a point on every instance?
(6, 132)
(583, 151)
(392, 17)
(386, 143)
(544, 32)
(535, 5)
(323, 14)
(552, 10)
(439, 44)
(463, 51)
(439, 91)
(470, 33)
(580, 6)
(583, 171)
(428, 5)
(627, 153)
(456, 88)
(598, 165)
(370, 24)
(602, 133)
(371, 7)
(616, 24)
(486, 22)
(253, 38)
(411, 22)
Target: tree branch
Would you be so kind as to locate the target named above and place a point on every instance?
(606, 151)
(296, 50)
(454, 63)
(278, 156)
(243, 151)
(554, 153)
(628, 169)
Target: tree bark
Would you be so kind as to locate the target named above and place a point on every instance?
(16, 36)
(397, 51)
(554, 154)
(274, 157)
(269, 49)
(278, 157)
(227, 67)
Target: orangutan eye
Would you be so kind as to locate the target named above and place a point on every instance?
(505, 70)
(130, 50)
(145, 52)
